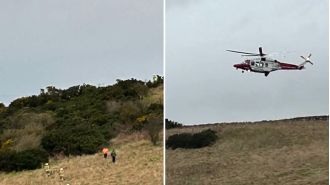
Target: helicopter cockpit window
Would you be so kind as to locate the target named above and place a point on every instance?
(266, 64)
(252, 63)
(259, 64)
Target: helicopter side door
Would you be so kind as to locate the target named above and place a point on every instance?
(268, 66)
(271, 66)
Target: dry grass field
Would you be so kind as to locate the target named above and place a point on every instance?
(291, 152)
(138, 162)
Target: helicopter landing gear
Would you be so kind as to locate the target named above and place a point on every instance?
(266, 74)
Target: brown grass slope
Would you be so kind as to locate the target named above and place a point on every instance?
(138, 162)
(287, 152)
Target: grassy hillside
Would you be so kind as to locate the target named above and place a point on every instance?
(77, 121)
(282, 152)
(138, 162)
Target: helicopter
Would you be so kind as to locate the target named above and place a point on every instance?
(263, 64)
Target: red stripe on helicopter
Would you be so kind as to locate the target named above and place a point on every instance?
(288, 66)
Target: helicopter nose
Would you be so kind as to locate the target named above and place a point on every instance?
(241, 66)
(237, 65)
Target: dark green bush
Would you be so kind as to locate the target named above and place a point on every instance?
(155, 108)
(76, 141)
(24, 160)
(7, 160)
(172, 124)
(187, 140)
(108, 131)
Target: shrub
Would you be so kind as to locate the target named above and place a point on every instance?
(153, 127)
(155, 108)
(24, 160)
(108, 131)
(187, 140)
(76, 141)
(172, 124)
(7, 160)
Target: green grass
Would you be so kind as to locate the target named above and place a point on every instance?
(280, 152)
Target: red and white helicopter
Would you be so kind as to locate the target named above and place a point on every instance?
(263, 64)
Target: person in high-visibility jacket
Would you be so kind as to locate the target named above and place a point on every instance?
(113, 155)
(105, 152)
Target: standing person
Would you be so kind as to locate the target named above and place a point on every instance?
(113, 155)
(61, 173)
(47, 169)
(105, 152)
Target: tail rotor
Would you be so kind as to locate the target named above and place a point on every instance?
(307, 59)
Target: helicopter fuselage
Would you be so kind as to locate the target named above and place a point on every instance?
(265, 65)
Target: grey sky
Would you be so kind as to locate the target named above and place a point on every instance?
(65, 43)
(203, 87)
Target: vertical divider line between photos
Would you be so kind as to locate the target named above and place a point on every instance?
(329, 79)
(164, 94)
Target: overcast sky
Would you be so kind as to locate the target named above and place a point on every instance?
(203, 87)
(65, 43)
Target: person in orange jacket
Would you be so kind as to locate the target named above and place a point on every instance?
(105, 152)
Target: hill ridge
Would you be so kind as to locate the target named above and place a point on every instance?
(301, 118)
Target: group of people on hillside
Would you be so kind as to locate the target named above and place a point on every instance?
(50, 172)
(113, 154)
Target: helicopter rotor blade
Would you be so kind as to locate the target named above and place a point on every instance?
(303, 57)
(242, 52)
(250, 55)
